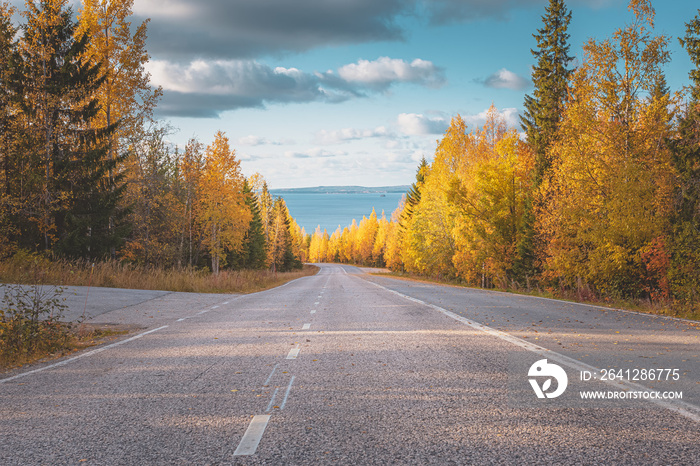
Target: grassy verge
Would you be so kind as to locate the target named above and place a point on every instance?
(25, 268)
(31, 326)
(631, 305)
(77, 337)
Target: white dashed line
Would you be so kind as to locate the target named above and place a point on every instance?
(286, 394)
(316, 303)
(272, 400)
(306, 327)
(253, 435)
(267, 382)
(313, 311)
(293, 353)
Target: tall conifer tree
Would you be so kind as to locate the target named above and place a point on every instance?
(70, 201)
(685, 153)
(543, 109)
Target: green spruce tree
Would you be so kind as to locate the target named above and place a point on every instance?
(684, 269)
(543, 109)
(69, 198)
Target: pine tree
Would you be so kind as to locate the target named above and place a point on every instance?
(413, 194)
(254, 254)
(65, 164)
(125, 95)
(685, 155)
(543, 109)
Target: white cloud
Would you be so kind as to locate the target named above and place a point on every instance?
(385, 71)
(208, 88)
(349, 134)
(315, 153)
(510, 115)
(415, 124)
(252, 140)
(505, 79)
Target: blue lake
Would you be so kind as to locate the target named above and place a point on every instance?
(330, 210)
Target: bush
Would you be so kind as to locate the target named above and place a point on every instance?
(30, 322)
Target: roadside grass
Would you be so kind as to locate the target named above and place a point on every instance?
(31, 326)
(644, 306)
(75, 338)
(22, 268)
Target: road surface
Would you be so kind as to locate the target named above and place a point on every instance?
(349, 368)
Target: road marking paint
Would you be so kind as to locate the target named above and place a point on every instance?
(225, 303)
(89, 353)
(272, 400)
(253, 435)
(316, 303)
(313, 311)
(306, 327)
(214, 307)
(180, 320)
(293, 353)
(286, 394)
(267, 382)
(681, 407)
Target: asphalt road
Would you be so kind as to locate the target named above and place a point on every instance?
(348, 368)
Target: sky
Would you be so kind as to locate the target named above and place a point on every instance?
(355, 92)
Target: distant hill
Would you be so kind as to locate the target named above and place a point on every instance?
(344, 190)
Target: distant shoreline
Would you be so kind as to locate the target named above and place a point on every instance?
(344, 190)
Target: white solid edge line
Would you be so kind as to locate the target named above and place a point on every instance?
(253, 435)
(681, 407)
(89, 353)
(286, 394)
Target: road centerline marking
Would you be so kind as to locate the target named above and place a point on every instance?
(253, 435)
(293, 353)
(272, 400)
(267, 382)
(286, 393)
(306, 327)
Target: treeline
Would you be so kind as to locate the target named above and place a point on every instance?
(600, 198)
(86, 172)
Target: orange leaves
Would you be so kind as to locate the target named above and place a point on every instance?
(223, 214)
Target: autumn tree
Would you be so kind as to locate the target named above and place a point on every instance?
(608, 202)
(428, 246)
(491, 192)
(126, 95)
(223, 215)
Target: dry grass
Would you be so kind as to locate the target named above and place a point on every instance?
(30, 268)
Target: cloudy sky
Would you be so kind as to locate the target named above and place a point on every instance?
(339, 92)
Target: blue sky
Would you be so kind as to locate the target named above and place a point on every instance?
(355, 92)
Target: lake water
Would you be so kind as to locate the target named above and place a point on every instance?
(333, 209)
